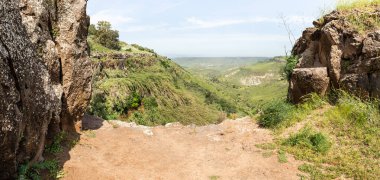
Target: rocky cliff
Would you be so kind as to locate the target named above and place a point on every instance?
(45, 75)
(342, 51)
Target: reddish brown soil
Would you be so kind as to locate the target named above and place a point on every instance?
(226, 151)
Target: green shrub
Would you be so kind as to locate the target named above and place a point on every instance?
(34, 171)
(56, 146)
(274, 113)
(133, 101)
(291, 63)
(149, 102)
(138, 118)
(98, 106)
(309, 139)
(104, 35)
(92, 30)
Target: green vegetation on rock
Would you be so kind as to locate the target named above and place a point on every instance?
(361, 14)
(347, 5)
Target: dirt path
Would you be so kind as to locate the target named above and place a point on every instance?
(225, 151)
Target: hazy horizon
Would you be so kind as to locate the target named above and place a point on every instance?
(211, 28)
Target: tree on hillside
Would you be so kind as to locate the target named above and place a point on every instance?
(104, 35)
(92, 30)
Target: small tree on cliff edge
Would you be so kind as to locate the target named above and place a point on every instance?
(104, 35)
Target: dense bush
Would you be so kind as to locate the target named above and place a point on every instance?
(112, 110)
(92, 30)
(291, 63)
(98, 106)
(104, 35)
(34, 171)
(133, 102)
(149, 102)
(309, 139)
(274, 113)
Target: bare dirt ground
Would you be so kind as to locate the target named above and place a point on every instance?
(117, 150)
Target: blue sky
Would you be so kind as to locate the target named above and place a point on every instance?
(209, 28)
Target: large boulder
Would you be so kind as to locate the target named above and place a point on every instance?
(352, 58)
(45, 76)
(308, 80)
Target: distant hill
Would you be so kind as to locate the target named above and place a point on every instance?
(253, 81)
(211, 66)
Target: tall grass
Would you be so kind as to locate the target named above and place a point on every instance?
(345, 5)
(308, 139)
(280, 114)
(349, 145)
(363, 18)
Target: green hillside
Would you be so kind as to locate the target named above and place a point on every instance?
(150, 89)
(133, 83)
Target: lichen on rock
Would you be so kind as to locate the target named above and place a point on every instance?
(45, 75)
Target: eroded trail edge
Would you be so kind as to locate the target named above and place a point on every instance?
(118, 150)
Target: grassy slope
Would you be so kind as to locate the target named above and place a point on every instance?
(337, 137)
(165, 92)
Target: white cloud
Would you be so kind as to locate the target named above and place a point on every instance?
(196, 23)
(114, 17)
(212, 24)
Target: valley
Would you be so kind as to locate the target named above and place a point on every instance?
(77, 102)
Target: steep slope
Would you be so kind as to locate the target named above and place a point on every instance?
(43, 49)
(136, 84)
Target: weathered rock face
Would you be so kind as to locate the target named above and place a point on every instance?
(308, 80)
(352, 59)
(45, 75)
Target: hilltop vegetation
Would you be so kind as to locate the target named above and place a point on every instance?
(360, 14)
(103, 34)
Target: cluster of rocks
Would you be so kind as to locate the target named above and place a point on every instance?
(116, 56)
(45, 76)
(334, 55)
